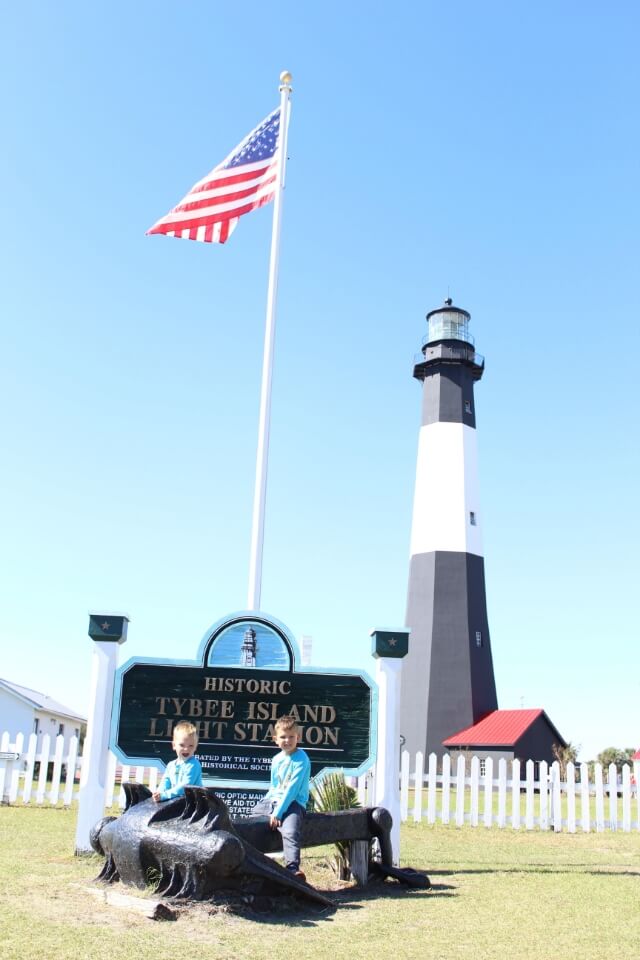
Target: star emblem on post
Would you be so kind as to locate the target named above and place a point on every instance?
(108, 627)
(392, 644)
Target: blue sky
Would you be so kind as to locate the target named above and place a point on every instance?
(486, 151)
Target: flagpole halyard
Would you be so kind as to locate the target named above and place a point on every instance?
(260, 492)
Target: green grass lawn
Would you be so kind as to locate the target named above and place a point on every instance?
(496, 893)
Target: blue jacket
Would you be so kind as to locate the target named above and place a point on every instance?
(178, 775)
(289, 781)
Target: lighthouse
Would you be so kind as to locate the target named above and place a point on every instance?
(447, 676)
(248, 649)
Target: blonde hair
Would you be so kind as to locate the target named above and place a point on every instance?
(287, 722)
(187, 728)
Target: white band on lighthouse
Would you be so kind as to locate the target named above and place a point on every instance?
(446, 500)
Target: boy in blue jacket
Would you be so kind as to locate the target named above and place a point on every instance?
(185, 770)
(286, 800)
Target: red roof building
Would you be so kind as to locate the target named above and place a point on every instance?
(512, 734)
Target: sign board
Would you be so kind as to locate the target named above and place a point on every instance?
(244, 679)
(240, 802)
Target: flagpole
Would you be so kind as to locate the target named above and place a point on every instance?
(260, 493)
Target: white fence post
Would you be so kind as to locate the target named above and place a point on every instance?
(72, 762)
(502, 792)
(446, 788)
(487, 818)
(475, 791)
(599, 799)
(4, 748)
(529, 817)
(15, 772)
(404, 785)
(43, 758)
(155, 775)
(613, 796)
(626, 799)
(111, 781)
(543, 785)
(515, 794)
(57, 771)
(31, 762)
(432, 788)
(125, 777)
(418, 784)
(556, 797)
(571, 798)
(460, 791)
(585, 810)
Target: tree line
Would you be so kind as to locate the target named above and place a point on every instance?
(615, 755)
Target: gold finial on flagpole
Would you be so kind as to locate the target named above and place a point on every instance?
(285, 79)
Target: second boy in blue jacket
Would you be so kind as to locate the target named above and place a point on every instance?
(286, 800)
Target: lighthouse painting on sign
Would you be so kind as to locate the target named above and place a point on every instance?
(249, 644)
(447, 676)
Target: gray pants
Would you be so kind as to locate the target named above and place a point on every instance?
(290, 830)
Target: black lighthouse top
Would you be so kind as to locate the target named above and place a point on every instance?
(448, 341)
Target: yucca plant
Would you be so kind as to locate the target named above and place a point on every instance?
(330, 795)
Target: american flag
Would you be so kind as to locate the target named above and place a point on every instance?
(246, 179)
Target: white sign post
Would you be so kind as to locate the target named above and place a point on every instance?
(389, 647)
(107, 631)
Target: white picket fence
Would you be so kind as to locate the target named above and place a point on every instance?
(19, 784)
(459, 794)
(503, 797)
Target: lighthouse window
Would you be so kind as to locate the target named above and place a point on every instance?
(472, 518)
(467, 406)
(478, 638)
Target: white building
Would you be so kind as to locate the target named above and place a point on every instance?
(26, 711)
